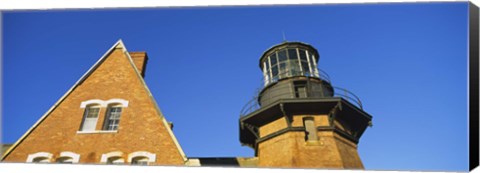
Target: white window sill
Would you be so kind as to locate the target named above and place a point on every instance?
(97, 131)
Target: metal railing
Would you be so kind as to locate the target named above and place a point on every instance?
(347, 95)
(253, 104)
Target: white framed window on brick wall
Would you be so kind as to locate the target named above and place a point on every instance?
(68, 157)
(112, 118)
(90, 117)
(141, 158)
(92, 108)
(115, 157)
(40, 157)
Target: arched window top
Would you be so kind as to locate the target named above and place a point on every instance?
(112, 157)
(141, 157)
(93, 102)
(102, 103)
(68, 157)
(117, 102)
(41, 160)
(41, 157)
(115, 160)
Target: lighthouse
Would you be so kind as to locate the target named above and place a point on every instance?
(299, 118)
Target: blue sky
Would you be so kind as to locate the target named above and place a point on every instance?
(407, 62)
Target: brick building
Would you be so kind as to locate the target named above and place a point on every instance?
(109, 116)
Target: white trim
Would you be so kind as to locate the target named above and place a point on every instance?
(316, 66)
(270, 69)
(309, 64)
(122, 102)
(299, 60)
(75, 157)
(106, 156)
(265, 76)
(31, 157)
(151, 157)
(84, 104)
(102, 103)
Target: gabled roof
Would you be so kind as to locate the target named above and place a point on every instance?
(118, 45)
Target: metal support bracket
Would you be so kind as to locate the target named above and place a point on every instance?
(333, 113)
(289, 121)
(252, 129)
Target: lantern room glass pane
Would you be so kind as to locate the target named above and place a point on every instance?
(274, 71)
(283, 68)
(292, 54)
(273, 59)
(305, 68)
(282, 55)
(312, 59)
(294, 67)
(303, 55)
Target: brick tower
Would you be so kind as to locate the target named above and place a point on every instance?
(298, 119)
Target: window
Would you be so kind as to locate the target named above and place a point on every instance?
(115, 160)
(300, 89)
(68, 157)
(40, 157)
(65, 160)
(112, 119)
(112, 116)
(292, 54)
(282, 55)
(141, 158)
(90, 118)
(115, 157)
(288, 62)
(310, 129)
(140, 161)
(41, 160)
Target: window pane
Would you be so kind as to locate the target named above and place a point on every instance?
(294, 67)
(274, 71)
(303, 56)
(65, 160)
(40, 160)
(140, 161)
(92, 112)
(273, 59)
(115, 160)
(305, 68)
(113, 118)
(292, 54)
(282, 71)
(312, 59)
(282, 55)
(90, 119)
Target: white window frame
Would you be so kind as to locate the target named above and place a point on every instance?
(75, 158)
(86, 112)
(109, 114)
(315, 65)
(309, 63)
(33, 156)
(102, 104)
(105, 157)
(150, 156)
